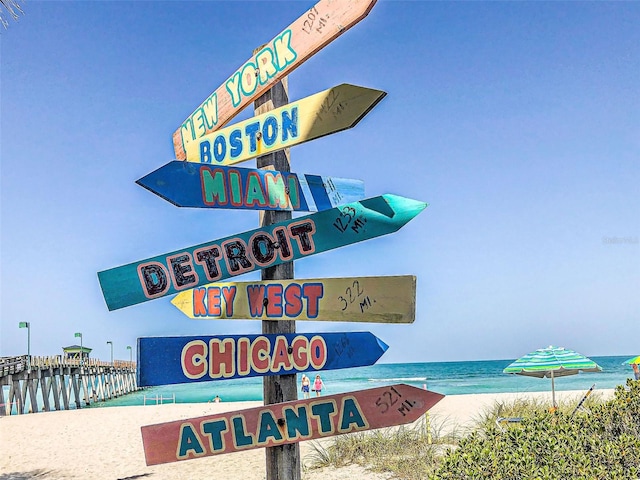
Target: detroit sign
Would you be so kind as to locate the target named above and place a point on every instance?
(271, 245)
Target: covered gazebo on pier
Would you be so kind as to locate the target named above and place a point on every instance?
(76, 351)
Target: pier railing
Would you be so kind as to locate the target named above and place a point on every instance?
(159, 399)
(60, 383)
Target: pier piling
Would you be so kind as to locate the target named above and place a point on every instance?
(34, 381)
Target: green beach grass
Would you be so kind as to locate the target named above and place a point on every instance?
(599, 441)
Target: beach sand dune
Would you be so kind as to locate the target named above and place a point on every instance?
(105, 443)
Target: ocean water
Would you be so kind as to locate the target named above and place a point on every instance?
(449, 378)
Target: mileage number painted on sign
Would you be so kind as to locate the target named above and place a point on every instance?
(387, 299)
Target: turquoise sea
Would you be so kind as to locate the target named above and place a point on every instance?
(449, 378)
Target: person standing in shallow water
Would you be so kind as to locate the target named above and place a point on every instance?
(318, 385)
(306, 385)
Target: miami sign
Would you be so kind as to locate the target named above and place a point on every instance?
(205, 186)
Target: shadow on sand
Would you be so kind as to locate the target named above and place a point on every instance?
(51, 474)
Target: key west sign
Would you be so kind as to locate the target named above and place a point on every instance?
(388, 299)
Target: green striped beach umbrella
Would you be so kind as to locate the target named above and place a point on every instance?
(633, 360)
(552, 362)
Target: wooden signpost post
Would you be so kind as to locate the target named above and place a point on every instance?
(203, 186)
(390, 299)
(264, 247)
(171, 360)
(316, 28)
(285, 423)
(324, 113)
(281, 461)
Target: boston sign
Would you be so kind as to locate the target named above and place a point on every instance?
(324, 113)
(256, 249)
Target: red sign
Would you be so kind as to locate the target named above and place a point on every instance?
(283, 423)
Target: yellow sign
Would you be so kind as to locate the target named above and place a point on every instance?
(324, 113)
(390, 299)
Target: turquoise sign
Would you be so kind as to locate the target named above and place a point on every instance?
(267, 246)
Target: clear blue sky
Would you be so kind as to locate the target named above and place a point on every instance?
(518, 122)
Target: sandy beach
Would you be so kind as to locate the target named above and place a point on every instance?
(105, 443)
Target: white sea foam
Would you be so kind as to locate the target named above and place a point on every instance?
(398, 379)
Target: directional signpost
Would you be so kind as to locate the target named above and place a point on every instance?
(256, 249)
(324, 113)
(207, 180)
(316, 28)
(170, 360)
(390, 299)
(203, 186)
(285, 423)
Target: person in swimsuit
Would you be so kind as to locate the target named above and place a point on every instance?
(318, 385)
(306, 383)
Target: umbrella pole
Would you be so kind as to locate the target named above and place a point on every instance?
(553, 390)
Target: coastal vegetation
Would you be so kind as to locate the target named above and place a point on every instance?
(599, 441)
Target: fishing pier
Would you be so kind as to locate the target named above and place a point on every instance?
(61, 383)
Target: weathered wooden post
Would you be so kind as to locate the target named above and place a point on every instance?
(283, 461)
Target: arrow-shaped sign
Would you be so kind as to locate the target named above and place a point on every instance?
(315, 29)
(324, 113)
(284, 423)
(170, 360)
(271, 245)
(389, 299)
(202, 186)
